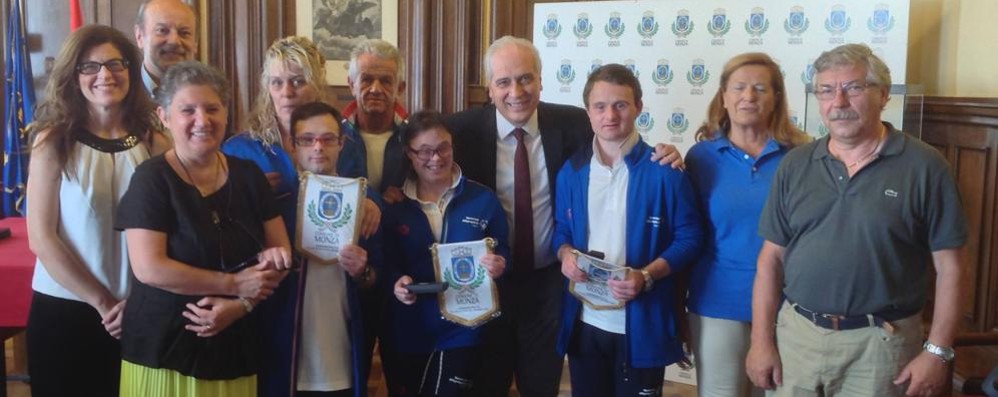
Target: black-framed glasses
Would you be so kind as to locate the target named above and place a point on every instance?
(91, 67)
(328, 140)
(425, 154)
(851, 90)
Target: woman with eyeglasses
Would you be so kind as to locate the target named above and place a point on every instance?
(424, 354)
(86, 144)
(206, 243)
(747, 133)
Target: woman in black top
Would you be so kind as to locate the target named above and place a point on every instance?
(196, 221)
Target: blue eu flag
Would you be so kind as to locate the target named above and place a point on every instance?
(19, 94)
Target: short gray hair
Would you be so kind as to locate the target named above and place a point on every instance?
(380, 49)
(508, 41)
(854, 54)
(189, 73)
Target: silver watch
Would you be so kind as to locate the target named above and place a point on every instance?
(649, 280)
(943, 352)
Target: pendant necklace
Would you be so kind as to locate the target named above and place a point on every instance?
(214, 212)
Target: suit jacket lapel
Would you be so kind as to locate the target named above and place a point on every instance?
(489, 147)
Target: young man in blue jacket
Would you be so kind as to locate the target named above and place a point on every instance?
(639, 215)
(314, 332)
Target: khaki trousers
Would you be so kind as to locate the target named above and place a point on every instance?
(860, 362)
(719, 348)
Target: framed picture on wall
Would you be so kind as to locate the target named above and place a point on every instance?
(337, 25)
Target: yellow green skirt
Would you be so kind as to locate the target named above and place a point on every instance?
(140, 381)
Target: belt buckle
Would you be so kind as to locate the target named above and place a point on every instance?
(830, 317)
(835, 321)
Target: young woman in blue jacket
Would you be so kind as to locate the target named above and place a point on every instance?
(424, 354)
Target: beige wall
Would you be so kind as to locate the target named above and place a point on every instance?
(953, 47)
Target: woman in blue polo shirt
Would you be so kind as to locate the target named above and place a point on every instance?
(747, 133)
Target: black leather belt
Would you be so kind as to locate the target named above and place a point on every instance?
(837, 322)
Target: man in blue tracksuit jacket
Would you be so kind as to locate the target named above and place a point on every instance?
(284, 338)
(640, 215)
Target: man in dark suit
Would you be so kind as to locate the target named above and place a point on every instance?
(493, 144)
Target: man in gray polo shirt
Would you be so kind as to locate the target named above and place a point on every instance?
(851, 224)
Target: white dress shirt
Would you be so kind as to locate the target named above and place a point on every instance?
(540, 187)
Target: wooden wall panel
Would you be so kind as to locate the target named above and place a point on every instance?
(966, 130)
(439, 42)
(239, 34)
(969, 164)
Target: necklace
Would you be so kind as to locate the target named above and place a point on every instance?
(867, 156)
(218, 161)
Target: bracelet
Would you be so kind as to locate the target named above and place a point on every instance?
(246, 304)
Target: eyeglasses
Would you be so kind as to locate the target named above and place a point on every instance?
(425, 154)
(325, 140)
(113, 65)
(851, 90)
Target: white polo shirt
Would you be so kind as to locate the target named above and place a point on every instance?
(608, 210)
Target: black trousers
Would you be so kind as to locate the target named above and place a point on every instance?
(521, 342)
(597, 364)
(69, 351)
(446, 373)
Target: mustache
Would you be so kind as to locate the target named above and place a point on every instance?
(173, 48)
(836, 115)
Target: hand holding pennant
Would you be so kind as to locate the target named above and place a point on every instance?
(471, 299)
(329, 214)
(594, 292)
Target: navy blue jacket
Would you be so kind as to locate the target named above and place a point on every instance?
(474, 213)
(663, 221)
(353, 157)
(282, 317)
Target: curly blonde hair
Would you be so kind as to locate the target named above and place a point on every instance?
(291, 50)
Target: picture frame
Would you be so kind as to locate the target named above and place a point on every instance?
(337, 25)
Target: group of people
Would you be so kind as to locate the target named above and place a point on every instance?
(165, 263)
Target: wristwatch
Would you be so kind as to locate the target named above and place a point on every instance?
(944, 353)
(648, 279)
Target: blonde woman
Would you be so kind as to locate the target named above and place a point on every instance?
(747, 133)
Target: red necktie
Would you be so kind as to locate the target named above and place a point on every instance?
(523, 210)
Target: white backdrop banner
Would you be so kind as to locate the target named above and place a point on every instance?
(678, 48)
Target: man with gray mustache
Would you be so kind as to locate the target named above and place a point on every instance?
(851, 224)
(166, 31)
